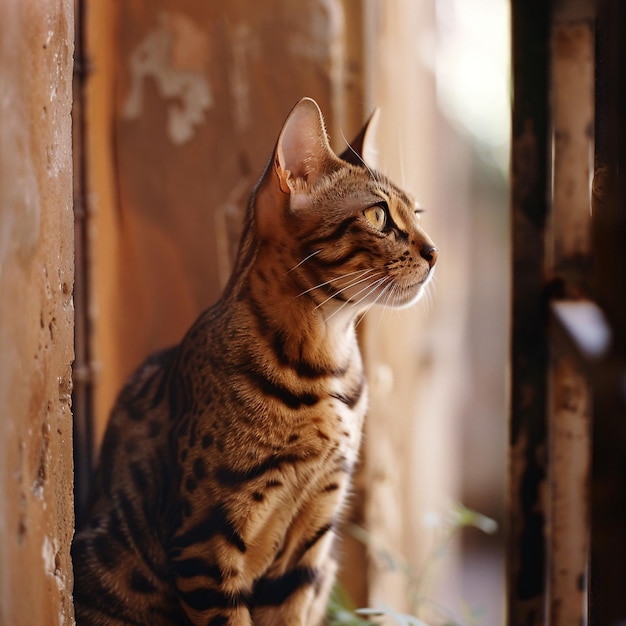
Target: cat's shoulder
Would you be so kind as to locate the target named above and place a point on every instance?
(156, 365)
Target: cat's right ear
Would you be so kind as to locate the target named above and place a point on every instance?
(362, 149)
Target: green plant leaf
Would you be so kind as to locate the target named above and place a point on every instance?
(341, 609)
(468, 517)
(400, 618)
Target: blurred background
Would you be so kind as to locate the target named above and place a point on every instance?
(179, 104)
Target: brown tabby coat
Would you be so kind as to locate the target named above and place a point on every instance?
(227, 459)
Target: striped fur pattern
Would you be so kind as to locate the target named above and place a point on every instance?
(227, 459)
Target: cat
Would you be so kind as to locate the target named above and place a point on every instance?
(226, 461)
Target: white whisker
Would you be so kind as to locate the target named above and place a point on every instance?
(391, 289)
(383, 291)
(429, 295)
(354, 283)
(330, 317)
(372, 287)
(333, 280)
(369, 288)
(358, 156)
(306, 258)
(401, 155)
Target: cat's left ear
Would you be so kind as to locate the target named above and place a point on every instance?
(302, 152)
(301, 156)
(362, 149)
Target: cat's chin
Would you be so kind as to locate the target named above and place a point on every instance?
(407, 299)
(409, 295)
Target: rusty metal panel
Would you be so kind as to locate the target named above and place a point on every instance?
(570, 403)
(572, 115)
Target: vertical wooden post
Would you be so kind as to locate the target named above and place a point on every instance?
(529, 189)
(550, 427)
(569, 258)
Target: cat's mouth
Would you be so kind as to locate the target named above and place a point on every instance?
(389, 293)
(414, 286)
(363, 289)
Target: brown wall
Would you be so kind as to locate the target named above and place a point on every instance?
(36, 311)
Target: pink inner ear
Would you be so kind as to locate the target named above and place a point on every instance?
(303, 145)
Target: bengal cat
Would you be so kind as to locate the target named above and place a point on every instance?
(227, 459)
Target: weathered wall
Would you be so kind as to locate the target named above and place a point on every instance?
(36, 313)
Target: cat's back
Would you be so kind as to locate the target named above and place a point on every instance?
(119, 563)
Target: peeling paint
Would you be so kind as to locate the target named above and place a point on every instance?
(244, 46)
(19, 229)
(48, 552)
(324, 43)
(165, 55)
(326, 26)
(50, 555)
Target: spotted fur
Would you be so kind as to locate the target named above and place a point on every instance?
(227, 459)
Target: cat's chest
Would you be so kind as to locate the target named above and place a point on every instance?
(320, 424)
(320, 418)
(303, 480)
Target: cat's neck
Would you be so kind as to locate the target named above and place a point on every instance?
(273, 302)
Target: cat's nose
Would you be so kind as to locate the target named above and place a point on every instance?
(430, 254)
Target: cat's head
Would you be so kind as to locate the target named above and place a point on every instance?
(345, 234)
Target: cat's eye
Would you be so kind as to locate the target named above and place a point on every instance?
(377, 216)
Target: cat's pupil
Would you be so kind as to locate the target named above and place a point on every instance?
(376, 216)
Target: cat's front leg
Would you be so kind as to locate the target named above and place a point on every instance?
(319, 604)
(208, 575)
(216, 605)
(239, 616)
(299, 596)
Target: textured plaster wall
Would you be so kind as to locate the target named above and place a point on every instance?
(36, 311)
